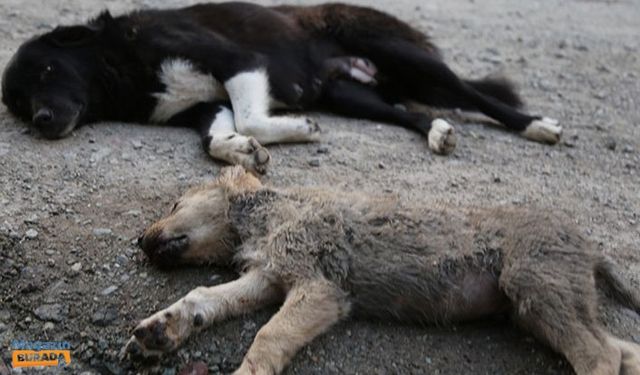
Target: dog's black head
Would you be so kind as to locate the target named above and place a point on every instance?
(52, 79)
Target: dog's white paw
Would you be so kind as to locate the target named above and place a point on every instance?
(442, 137)
(313, 129)
(238, 149)
(545, 130)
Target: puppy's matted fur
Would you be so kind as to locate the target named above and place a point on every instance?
(325, 256)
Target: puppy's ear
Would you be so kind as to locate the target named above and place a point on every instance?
(79, 35)
(72, 36)
(237, 180)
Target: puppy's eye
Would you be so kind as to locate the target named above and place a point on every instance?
(46, 72)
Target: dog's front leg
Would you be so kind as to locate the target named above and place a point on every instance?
(251, 99)
(309, 310)
(165, 330)
(215, 120)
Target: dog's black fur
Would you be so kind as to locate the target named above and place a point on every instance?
(107, 69)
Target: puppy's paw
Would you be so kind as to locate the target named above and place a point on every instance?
(442, 137)
(258, 158)
(238, 149)
(544, 130)
(314, 132)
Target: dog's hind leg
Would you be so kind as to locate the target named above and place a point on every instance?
(220, 139)
(309, 310)
(165, 330)
(357, 100)
(420, 71)
(250, 96)
(559, 310)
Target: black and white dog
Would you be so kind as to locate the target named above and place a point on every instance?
(224, 68)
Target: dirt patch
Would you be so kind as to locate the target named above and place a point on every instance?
(70, 210)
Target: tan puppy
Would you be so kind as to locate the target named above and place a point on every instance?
(326, 255)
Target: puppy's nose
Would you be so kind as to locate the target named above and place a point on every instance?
(43, 116)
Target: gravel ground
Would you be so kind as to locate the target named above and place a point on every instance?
(71, 209)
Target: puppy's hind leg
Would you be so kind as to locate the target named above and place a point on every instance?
(548, 306)
(419, 70)
(308, 311)
(354, 99)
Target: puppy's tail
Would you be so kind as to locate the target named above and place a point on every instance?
(608, 272)
(500, 89)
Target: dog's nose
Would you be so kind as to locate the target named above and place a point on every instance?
(43, 116)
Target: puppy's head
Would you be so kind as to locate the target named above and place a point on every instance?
(53, 79)
(198, 228)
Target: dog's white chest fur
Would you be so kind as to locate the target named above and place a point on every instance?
(185, 86)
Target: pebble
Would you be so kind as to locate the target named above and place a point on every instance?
(611, 144)
(76, 267)
(314, 162)
(381, 165)
(48, 326)
(104, 316)
(323, 150)
(109, 290)
(31, 234)
(136, 145)
(3, 327)
(51, 312)
(102, 232)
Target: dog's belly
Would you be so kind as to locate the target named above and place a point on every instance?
(185, 86)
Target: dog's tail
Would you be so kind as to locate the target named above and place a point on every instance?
(608, 272)
(500, 89)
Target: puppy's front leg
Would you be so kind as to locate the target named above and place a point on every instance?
(309, 310)
(167, 329)
(250, 96)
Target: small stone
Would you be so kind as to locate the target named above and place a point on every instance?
(109, 290)
(134, 213)
(100, 232)
(314, 162)
(627, 149)
(51, 312)
(49, 252)
(48, 326)
(611, 144)
(323, 150)
(76, 267)
(381, 165)
(136, 145)
(31, 234)
(169, 371)
(51, 263)
(3, 327)
(104, 316)
(195, 368)
(428, 360)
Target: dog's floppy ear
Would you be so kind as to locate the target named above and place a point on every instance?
(237, 180)
(71, 36)
(79, 35)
